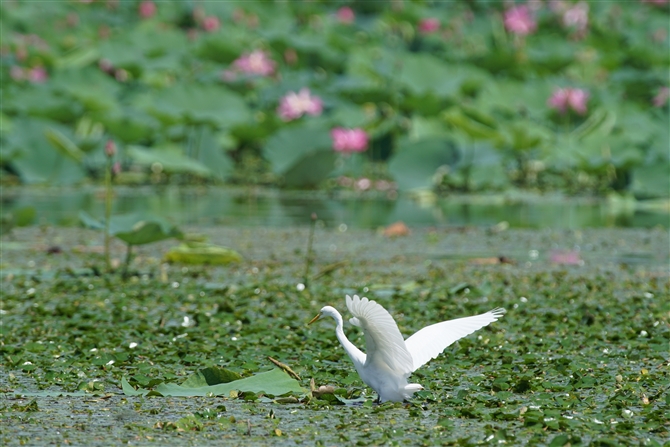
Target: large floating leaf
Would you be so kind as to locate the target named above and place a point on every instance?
(42, 101)
(134, 228)
(89, 221)
(476, 127)
(652, 180)
(78, 59)
(34, 158)
(311, 169)
(415, 163)
(287, 146)
(426, 74)
(513, 97)
(210, 152)
(90, 87)
(523, 135)
(202, 253)
(481, 167)
(171, 158)
(275, 382)
(130, 125)
(213, 375)
(302, 154)
(197, 104)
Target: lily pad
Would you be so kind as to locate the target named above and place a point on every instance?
(202, 253)
(134, 228)
(170, 158)
(416, 163)
(302, 155)
(211, 376)
(274, 382)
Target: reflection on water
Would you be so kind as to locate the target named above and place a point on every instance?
(252, 207)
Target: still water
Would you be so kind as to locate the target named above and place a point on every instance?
(209, 206)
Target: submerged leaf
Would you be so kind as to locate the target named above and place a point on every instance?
(202, 253)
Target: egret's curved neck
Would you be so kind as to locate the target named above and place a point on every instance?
(356, 355)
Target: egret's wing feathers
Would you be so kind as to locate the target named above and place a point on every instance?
(383, 340)
(429, 342)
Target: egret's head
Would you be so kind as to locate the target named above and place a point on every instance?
(326, 311)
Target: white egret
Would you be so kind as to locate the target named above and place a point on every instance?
(390, 359)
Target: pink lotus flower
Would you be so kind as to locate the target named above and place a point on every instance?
(37, 75)
(147, 9)
(255, 63)
(363, 184)
(569, 98)
(110, 148)
(577, 17)
(661, 97)
(345, 15)
(349, 140)
(211, 23)
(518, 20)
(428, 26)
(294, 105)
(106, 65)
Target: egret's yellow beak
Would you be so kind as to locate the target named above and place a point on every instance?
(314, 319)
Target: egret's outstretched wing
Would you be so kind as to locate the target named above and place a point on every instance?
(383, 339)
(429, 342)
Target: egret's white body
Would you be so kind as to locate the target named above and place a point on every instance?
(390, 359)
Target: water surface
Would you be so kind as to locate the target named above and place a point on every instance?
(244, 207)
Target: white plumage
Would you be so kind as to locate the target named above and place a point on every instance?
(391, 359)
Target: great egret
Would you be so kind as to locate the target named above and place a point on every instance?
(390, 359)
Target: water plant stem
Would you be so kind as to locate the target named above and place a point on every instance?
(108, 211)
(126, 264)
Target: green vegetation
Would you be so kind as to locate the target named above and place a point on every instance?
(581, 358)
(449, 96)
(133, 330)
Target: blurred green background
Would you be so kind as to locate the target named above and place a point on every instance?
(452, 96)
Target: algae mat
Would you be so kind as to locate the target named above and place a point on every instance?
(581, 358)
